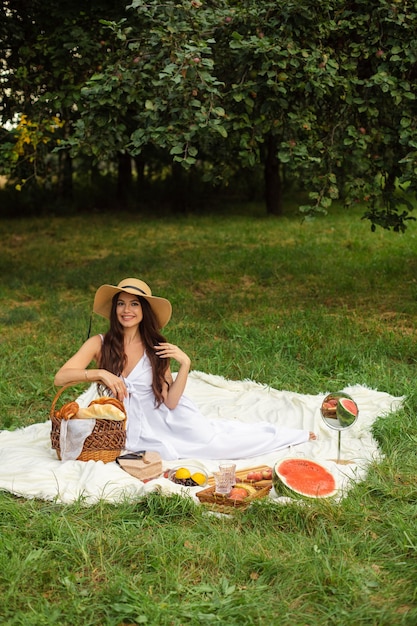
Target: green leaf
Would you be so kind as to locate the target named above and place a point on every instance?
(179, 149)
(221, 130)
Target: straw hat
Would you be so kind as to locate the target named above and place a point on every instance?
(104, 294)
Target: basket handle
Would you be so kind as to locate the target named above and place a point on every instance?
(57, 395)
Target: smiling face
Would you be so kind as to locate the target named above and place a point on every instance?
(128, 310)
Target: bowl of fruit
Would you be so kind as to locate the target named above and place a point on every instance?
(188, 475)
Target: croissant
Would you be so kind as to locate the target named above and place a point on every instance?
(68, 411)
(106, 400)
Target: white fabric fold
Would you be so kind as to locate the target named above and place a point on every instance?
(72, 435)
(184, 431)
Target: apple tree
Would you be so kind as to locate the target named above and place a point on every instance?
(328, 91)
(325, 90)
(324, 93)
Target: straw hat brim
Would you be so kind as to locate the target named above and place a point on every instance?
(161, 307)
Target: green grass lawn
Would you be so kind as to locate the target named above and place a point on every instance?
(306, 306)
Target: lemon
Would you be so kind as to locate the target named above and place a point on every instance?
(198, 478)
(182, 473)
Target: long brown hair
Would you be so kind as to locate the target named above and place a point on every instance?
(113, 357)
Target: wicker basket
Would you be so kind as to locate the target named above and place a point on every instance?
(105, 443)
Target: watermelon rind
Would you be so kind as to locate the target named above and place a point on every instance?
(283, 488)
(345, 417)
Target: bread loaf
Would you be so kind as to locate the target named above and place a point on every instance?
(107, 400)
(107, 411)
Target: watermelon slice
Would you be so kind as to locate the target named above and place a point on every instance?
(346, 411)
(303, 477)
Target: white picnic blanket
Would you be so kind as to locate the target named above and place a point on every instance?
(30, 468)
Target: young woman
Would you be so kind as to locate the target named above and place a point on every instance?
(133, 364)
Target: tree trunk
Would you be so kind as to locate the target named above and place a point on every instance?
(179, 195)
(140, 172)
(124, 179)
(273, 183)
(65, 186)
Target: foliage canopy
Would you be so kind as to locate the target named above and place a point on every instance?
(322, 94)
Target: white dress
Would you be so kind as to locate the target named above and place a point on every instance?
(184, 432)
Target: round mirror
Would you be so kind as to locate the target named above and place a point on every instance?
(339, 410)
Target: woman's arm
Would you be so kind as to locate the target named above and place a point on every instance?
(75, 369)
(174, 391)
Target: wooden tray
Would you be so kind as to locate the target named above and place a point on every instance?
(208, 496)
(220, 501)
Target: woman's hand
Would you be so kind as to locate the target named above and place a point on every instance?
(114, 384)
(174, 391)
(170, 351)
